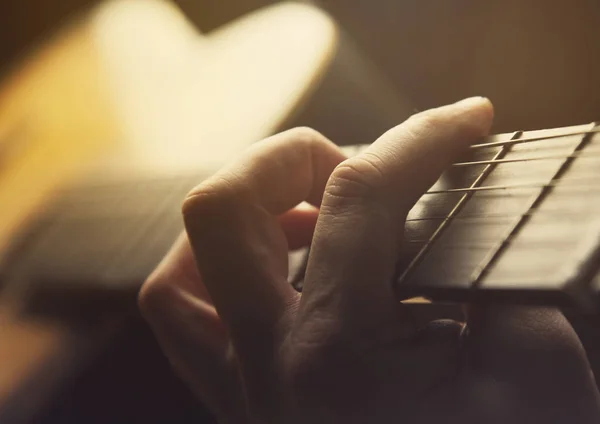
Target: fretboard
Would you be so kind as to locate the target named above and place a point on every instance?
(517, 220)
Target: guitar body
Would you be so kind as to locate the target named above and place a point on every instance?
(96, 104)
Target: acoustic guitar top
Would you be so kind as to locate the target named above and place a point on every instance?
(103, 97)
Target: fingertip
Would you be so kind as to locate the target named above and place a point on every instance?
(474, 101)
(298, 224)
(479, 112)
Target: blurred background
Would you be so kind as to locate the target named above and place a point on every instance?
(140, 99)
(535, 59)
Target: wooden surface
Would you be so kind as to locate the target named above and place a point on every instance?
(56, 116)
(134, 87)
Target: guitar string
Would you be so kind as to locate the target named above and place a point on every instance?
(559, 183)
(537, 212)
(587, 153)
(530, 139)
(484, 244)
(514, 229)
(496, 161)
(400, 275)
(510, 142)
(582, 154)
(488, 243)
(552, 213)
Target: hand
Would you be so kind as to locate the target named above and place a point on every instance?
(345, 351)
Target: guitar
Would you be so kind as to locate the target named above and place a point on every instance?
(98, 101)
(514, 222)
(466, 239)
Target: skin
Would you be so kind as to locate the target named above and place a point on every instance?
(345, 351)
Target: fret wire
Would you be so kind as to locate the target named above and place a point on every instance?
(531, 139)
(455, 210)
(484, 267)
(583, 154)
(553, 183)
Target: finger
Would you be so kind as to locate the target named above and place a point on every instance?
(178, 268)
(298, 224)
(189, 334)
(175, 303)
(239, 246)
(356, 245)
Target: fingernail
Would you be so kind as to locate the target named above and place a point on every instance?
(472, 101)
(480, 111)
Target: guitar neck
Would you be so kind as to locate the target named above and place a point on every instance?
(515, 220)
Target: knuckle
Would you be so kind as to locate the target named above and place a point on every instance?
(199, 202)
(297, 138)
(306, 134)
(433, 122)
(358, 177)
(212, 197)
(307, 138)
(154, 294)
(423, 124)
